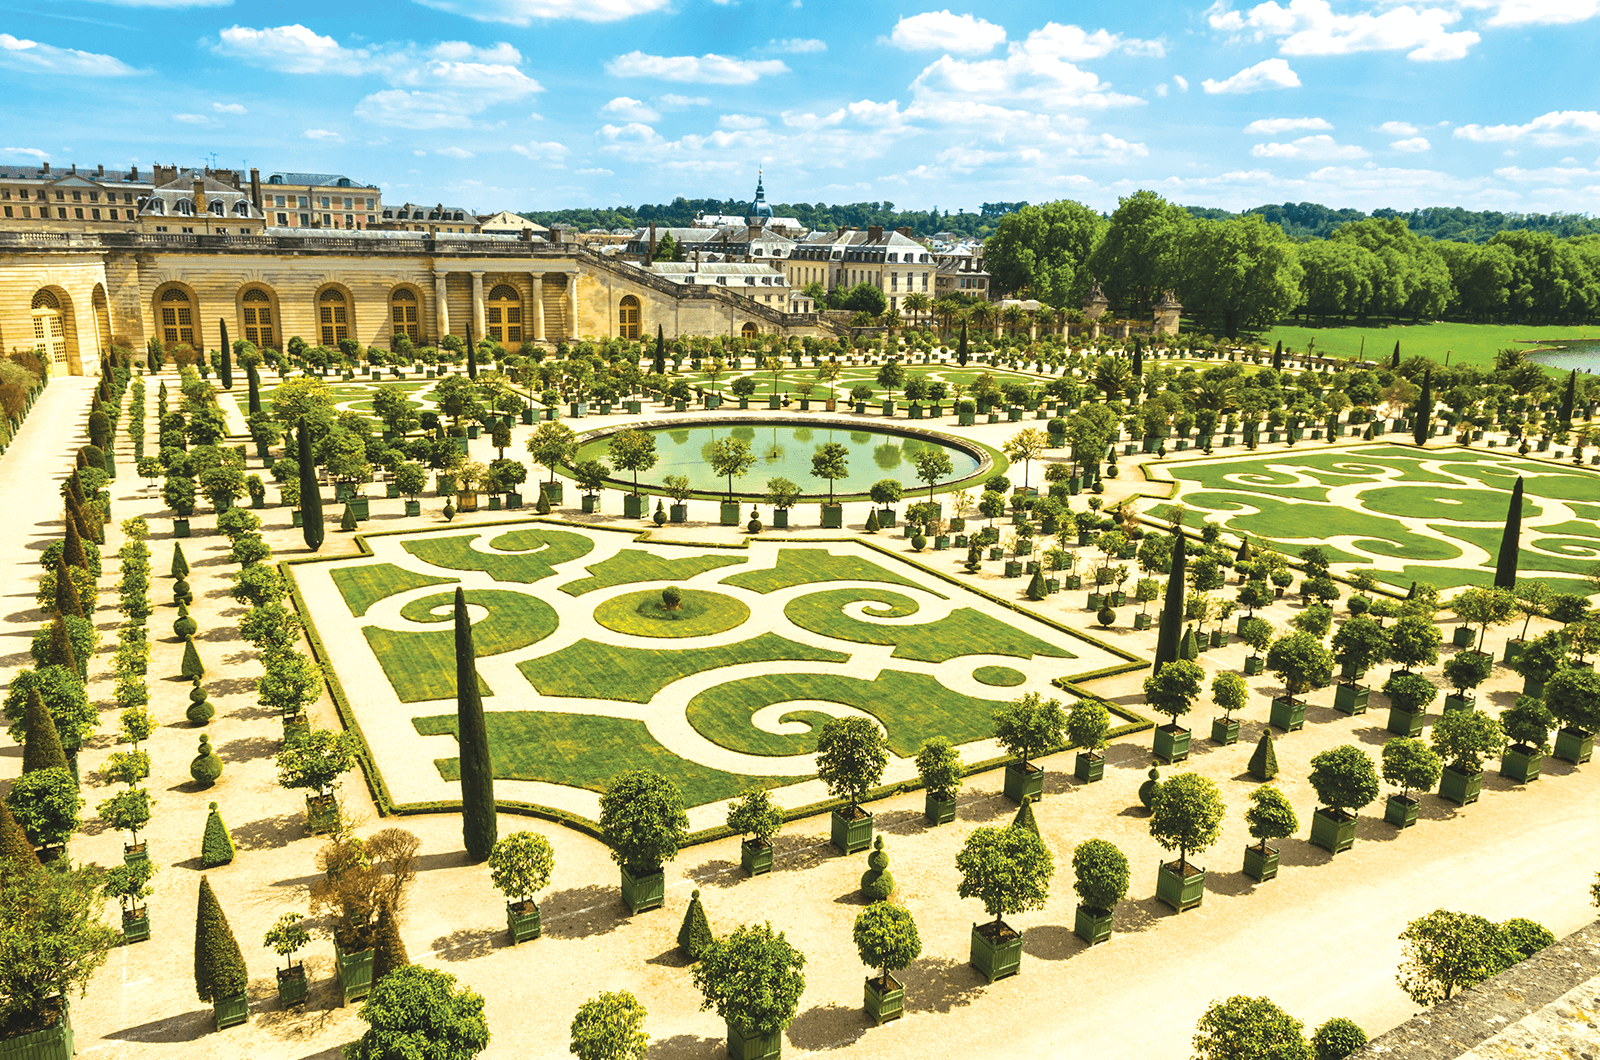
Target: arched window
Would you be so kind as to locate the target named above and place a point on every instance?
(185, 207)
(258, 318)
(242, 207)
(49, 332)
(503, 314)
(333, 316)
(628, 318)
(404, 304)
(177, 318)
(749, 330)
(218, 207)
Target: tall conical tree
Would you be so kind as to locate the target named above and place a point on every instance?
(1172, 607)
(219, 969)
(1264, 763)
(41, 744)
(479, 828)
(75, 484)
(1424, 420)
(389, 952)
(472, 356)
(1138, 360)
(180, 565)
(1024, 817)
(1505, 567)
(72, 550)
(225, 366)
(1394, 362)
(961, 347)
(1277, 357)
(253, 382)
(67, 600)
(1569, 397)
(59, 652)
(16, 852)
(310, 492)
(192, 666)
(660, 365)
(78, 518)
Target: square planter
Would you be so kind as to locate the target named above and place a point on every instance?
(1462, 637)
(1092, 925)
(755, 857)
(1333, 830)
(750, 1046)
(1460, 788)
(730, 513)
(297, 519)
(1574, 745)
(1405, 723)
(466, 500)
(678, 513)
(553, 490)
(1351, 698)
(322, 814)
(1013, 569)
(1288, 714)
(850, 836)
(885, 1000)
(513, 500)
(231, 1011)
(1180, 892)
(355, 972)
(832, 516)
(648, 890)
(1218, 638)
(1401, 810)
(522, 920)
(1259, 866)
(1522, 763)
(1141, 621)
(938, 811)
(1254, 665)
(1172, 742)
(590, 503)
(999, 957)
(635, 505)
(1225, 731)
(391, 490)
(293, 987)
(1455, 702)
(1348, 672)
(135, 925)
(180, 528)
(1514, 651)
(1020, 784)
(494, 503)
(1094, 601)
(1089, 766)
(362, 507)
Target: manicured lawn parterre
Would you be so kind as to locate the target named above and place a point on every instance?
(591, 670)
(523, 556)
(699, 613)
(1465, 343)
(962, 632)
(810, 566)
(999, 676)
(636, 565)
(364, 586)
(422, 666)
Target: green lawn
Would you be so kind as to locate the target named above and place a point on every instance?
(999, 676)
(963, 632)
(808, 566)
(700, 613)
(1473, 343)
(636, 565)
(422, 666)
(529, 555)
(587, 751)
(590, 670)
(364, 586)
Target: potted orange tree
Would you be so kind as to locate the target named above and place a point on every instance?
(1229, 692)
(286, 938)
(1100, 874)
(642, 816)
(1527, 726)
(1463, 739)
(519, 868)
(939, 766)
(1409, 695)
(1027, 728)
(1573, 698)
(1345, 781)
(1007, 869)
(1301, 662)
(754, 818)
(1088, 725)
(1171, 690)
(754, 979)
(1410, 765)
(1359, 642)
(1270, 816)
(886, 937)
(1185, 815)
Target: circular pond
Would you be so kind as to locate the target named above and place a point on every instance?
(785, 449)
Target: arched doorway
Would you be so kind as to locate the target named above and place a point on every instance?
(177, 312)
(256, 310)
(50, 327)
(749, 330)
(405, 310)
(503, 314)
(333, 317)
(628, 318)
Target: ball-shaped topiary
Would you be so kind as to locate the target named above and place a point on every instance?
(206, 766)
(1344, 778)
(1147, 790)
(877, 883)
(1337, 1039)
(1106, 616)
(754, 525)
(200, 712)
(919, 542)
(671, 597)
(184, 626)
(182, 593)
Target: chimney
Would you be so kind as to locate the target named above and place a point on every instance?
(133, 174)
(47, 168)
(199, 195)
(874, 233)
(74, 169)
(100, 171)
(255, 188)
(904, 231)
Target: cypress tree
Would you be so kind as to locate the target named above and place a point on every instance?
(1568, 398)
(77, 517)
(59, 652)
(192, 666)
(225, 366)
(1138, 360)
(16, 852)
(180, 565)
(73, 552)
(1264, 763)
(41, 746)
(961, 348)
(472, 356)
(1419, 429)
(660, 365)
(694, 935)
(478, 827)
(1394, 362)
(389, 951)
(253, 382)
(1505, 567)
(219, 970)
(1172, 607)
(67, 601)
(216, 846)
(310, 493)
(1277, 357)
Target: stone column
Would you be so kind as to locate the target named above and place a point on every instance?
(441, 313)
(572, 306)
(538, 307)
(478, 325)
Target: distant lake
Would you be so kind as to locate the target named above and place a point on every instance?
(1582, 354)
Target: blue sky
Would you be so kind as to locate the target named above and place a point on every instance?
(541, 104)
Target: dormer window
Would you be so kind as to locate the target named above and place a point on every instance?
(185, 207)
(217, 207)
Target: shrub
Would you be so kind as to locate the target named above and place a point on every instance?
(1410, 765)
(939, 766)
(1446, 951)
(1464, 738)
(1344, 778)
(851, 757)
(219, 969)
(1410, 692)
(642, 816)
(886, 937)
(1186, 816)
(1528, 723)
(1337, 1039)
(359, 878)
(1249, 1028)
(1100, 873)
(1029, 726)
(52, 935)
(46, 803)
(416, 1004)
(1526, 937)
(877, 883)
(610, 1027)
(216, 845)
(671, 597)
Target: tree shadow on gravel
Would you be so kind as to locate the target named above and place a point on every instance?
(1140, 914)
(231, 686)
(465, 944)
(685, 1047)
(184, 1027)
(672, 957)
(582, 912)
(1052, 942)
(718, 872)
(900, 822)
(800, 851)
(269, 833)
(249, 747)
(1302, 852)
(218, 633)
(828, 1027)
(1376, 735)
(253, 712)
(938, 984)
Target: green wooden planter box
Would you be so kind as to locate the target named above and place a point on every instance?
(293, 986)
(1225, 731)
(413, 509)
(180, 528)
(52, 1043)
(1021, 785)
(1463, 637)
(322, 814)
(355, 972)
(850, 836)
(1141, 621)
(1331, 833)
(744, 1045)
(1349, 672)
(590, 503)
(995, 960)
(1533, 688)
(635, 505)
(1172, 743)
(1092, 925)
(938, 811)
(1460, 788)
(1522, 763)
(1288, 714)
(678, 513)
(1405, 723)
(297, 518)
(553, 491)
(883, 1004)
(1180, 892)
(832, 516)
(136, 925)
(522, 920)
(1089, 767)
(1258, 866)
(231, 1011)
(1254, 665)
(1401, 810)
(361, 507)
(1218, 638)
(1514, 650)
(1574, 745)
(1454, 702)
(755, 857)
(1351, 698)
(647, 890)
(1094, 601)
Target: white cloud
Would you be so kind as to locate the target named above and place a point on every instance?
(1267, 74)
(192, 119)
(942, 31)
(1546, 12)
(708, 69)
(1310, 27)
(229, 108)
(31, 152)
(630, 108)
(1039, 69)
(595, 172)
(1398, 128)
(462, 52)
(1555, 129)
(527, 12)
(1161, 89)
(1546, 175)
(1320, 147)
(322, 134)
(741, 121)
(673, 101)
(542, 152)
(454, 152)
(35, 58)
(633, 133)
(480, 84)
(1181, 81)
(1412, 144)
(797, 45)
(1279, 126)
(417, 110)
(290, 49)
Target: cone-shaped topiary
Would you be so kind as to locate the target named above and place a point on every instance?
(1190, 646)
(180, 565)
(192, 666)
(1505, 568)
(41, 746)
(184, 626)
(877, 883)
(1264, 763)
(389, 951)
(16, 852)
(72, 550)
(219, 970)
(347, 521)
(206, 766)
(695, 933)
(59, 653)
(478, 826)
(1036, 585)
(67, 601)
(216, 846)
(200, 712)
(1024, 817)
(872, 526)
(311, 518)
(543, 507)
(1167, 637)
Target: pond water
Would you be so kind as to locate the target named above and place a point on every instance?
(786, 450)
(1566, 354)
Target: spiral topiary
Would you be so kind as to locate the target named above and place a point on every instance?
(754, 525)
(877, 883)
(1147, 790)
(450, 509)
(200, 712)
(206, 766)
(182, 593)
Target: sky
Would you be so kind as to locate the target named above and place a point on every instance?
(545, 104)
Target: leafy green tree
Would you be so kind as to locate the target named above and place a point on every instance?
(316, 760)
(1088, 725)
(1445, 952)
(1301, 662)
(1229, 692)
(1410, 765)
(1007, 869)
(852, 754)
(1250, 1028)
(416, 1004)
(753, 978)
(1270, 816)
(552, 443)
(611, 1025)
(53, 937)
(46, 804)
(1100, 875)
(1186, 816)
(932, 465)
(1173, 688)
(1573, 698)
(1337, 1039)
(755, 815)
(1042, 251)
(520, 865)
(642, 816)
(1141, 252)
(1464, 738)
(886, 937)
(1029, 726)
(633, 451)
(1344, 778)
